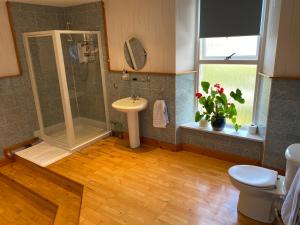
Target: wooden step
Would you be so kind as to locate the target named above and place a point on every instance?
(18, 205)
(62, 192)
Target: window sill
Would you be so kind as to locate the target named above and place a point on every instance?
(228, 131)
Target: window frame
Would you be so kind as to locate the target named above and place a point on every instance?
(248, 59)
(239, 60)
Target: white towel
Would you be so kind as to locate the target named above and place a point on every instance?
(290, 207)
(160, 114)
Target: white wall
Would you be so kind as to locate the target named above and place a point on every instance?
(288, 46)
(186, 29)
(8, 58)
(152, 22)
(282, 51)
(271, 37)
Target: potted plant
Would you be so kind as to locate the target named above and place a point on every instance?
(216, 107)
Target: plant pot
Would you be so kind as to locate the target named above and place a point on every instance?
(203, 123)
(218, 124)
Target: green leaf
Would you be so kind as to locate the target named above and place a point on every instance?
(237, 96)
(237, 127)
(207, 117)
(209, 106)
(233, 119)
(219, 100)
(213, 119)
(221, 114)
(224, 98)
(202, 100)
(205, 86)
(231, 111)
(198, 116)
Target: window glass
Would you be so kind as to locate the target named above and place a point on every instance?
(244, 47)
(231, 77)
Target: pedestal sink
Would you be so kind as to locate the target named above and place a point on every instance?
(132, 107)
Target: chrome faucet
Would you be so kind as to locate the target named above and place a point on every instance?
(135, 97)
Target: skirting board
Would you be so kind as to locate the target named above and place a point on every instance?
(4, 161)
(203, 151)
(219, 155)
(156, 143)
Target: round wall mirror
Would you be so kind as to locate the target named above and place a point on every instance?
(135, 54)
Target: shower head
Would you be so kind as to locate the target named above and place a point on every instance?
(68, 25)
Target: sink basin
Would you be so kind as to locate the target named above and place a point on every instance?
(129, 105)
(132, 107)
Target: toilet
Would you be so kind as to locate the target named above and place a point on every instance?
(261, 189)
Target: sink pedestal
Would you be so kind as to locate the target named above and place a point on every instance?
(132, 108)
(133, 129)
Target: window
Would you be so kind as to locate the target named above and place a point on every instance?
(244, 47)
(229, 46)
(232, 61)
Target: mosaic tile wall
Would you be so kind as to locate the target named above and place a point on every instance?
(283, 127)
(157, 87)
(17, 110)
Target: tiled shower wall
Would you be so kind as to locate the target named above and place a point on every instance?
(17, 111)
(87, 76)
(45, 71)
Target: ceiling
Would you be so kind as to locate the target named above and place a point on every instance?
(59, 3)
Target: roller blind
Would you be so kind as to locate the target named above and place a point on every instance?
(225, 18)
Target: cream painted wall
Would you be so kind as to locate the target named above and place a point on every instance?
(282, 51)
(152, 22)
(271, 37)
(288, 47)
(8, 57)
(186, 34)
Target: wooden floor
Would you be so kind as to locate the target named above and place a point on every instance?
(17, 209)
(53, 190)
(151, 186)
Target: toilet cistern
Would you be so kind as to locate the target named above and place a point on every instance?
(132, 106)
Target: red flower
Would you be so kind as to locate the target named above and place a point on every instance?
(198, 95)
(220, 90)
(217, 86)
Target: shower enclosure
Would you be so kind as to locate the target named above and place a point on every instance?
(68, 83)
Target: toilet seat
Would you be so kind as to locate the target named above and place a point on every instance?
(260, 189)
(254, 176)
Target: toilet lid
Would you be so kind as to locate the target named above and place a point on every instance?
(254, 175)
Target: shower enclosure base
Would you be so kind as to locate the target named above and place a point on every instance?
(87, 132)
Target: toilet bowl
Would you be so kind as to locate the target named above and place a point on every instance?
(262, 190)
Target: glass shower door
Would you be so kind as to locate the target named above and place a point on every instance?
(47, 90)
(85, 87)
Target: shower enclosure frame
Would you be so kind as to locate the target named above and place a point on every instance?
(63, 86)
